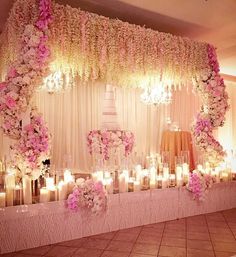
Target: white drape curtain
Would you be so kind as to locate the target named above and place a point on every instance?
(72, 114)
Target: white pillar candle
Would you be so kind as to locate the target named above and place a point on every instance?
(67, 176)
(123, 184)
(153, 173)
(109, 186)
(10, 185)
(27, 190)
(62, 190)
(99, 175)
(185, 168)
(44, 195)
(49, 182)
(2, 199)
(94, 176)
(166, 172)
(172, 180)
(199, 167)
(152, 184)
(107, 174)
(137, 186)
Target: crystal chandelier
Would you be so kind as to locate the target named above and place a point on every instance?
(156, 95)
(57, 82)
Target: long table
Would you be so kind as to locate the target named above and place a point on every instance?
(23, 227)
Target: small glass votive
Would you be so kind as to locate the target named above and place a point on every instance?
(18, 195)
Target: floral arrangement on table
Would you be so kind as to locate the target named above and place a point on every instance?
(88, 195)
(199, 184)
(211, 88)
(23, 78)
(102, 141)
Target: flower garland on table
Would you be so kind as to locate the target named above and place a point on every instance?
(23, 77)
(100, 142)
(88, 195)
(211, 88)
(199, 184)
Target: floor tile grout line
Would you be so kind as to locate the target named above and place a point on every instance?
(228, 225)
(161, 238)
(210, 235)
(135, 241)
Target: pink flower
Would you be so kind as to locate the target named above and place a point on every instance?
(10, 102)
(3, 85)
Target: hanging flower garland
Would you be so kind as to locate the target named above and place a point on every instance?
(102, 142)
(212, 91)
(88, 195)
(23, 77)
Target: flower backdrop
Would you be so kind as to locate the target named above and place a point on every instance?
(92, 47)
(24, 75)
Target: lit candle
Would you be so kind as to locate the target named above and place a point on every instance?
(138, 172)
(137, 186)
(62, 190)
(199, 167)
(18, 195)
(123, 185)
(67, 176)
(2, 199)
(166, 172)
(224, 176)
(109, 186)
(100, 175)
(10, 185)
(44, 195)
(107, 174)
(49, 182)
(152, 184)
(153, 173)
(53, 193)
(27, 190)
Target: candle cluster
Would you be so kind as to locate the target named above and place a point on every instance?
(158, 175)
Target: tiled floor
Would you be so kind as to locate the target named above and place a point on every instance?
(210, 235)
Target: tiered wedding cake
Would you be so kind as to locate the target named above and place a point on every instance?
(109, 113)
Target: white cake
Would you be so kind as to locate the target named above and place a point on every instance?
(109, 113)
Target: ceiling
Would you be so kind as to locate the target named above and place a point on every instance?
(213, 21)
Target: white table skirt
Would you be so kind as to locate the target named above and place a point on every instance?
(23, 227)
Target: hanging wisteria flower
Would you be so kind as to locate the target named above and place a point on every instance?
(88, 195)
(199, 184)
(101, 142)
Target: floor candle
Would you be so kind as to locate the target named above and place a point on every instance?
(62, 190)
(44, 195)
(67, 176)
(10, 185)
(2, 199)
(152, 184)
(166, 172)
(153, 173)
(18, 195)
(27, 190)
